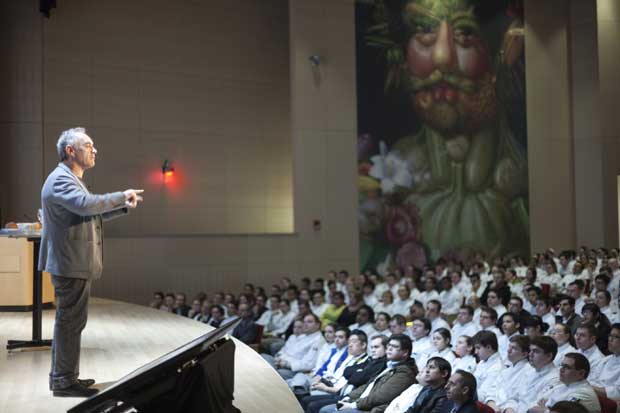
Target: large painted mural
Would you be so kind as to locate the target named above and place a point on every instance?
(442, 153)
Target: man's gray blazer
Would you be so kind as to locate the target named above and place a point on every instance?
(72, 235)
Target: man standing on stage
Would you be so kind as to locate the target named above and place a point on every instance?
(71, 251)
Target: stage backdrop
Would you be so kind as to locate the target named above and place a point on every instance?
(442, 139)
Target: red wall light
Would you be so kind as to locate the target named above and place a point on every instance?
(167, 169)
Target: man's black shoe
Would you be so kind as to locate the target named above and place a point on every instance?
(75, 390)
(86, 382)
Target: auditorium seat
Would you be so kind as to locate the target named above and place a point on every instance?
(607, 405)
(259, 336)
(484, 408)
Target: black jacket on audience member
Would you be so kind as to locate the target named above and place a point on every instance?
(468, 407)
(432, 401)
(362, 373)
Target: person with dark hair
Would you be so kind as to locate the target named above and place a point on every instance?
(538, 383)
(567, 407)
(333, 310)
(464, 351)
(494, 301)
(325, 392)
(575, 290)
(565, 340)
(433, 314)
(382, 324)
(511, 377)
(464, 324)
(432, 396)
(606, 377)
(364, 320)
(592, 314)
(535, 327)
(403, 301)
(567, 311)
(416, 311)
(246, 330)
(603, 301)
(442, 347)
(158, 300)
(399, 374)
(488, 320)
(544, 310)
(318, 304)
(422, 344)
(574, 372)
(461, 392)
(532, 294)
(490, 366)
(398, 324)
(586, 338)
(515, 305)
(510, 326)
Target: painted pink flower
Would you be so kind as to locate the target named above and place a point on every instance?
(411, 254)
(403, 224)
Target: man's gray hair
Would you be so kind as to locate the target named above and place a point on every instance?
(68, 137)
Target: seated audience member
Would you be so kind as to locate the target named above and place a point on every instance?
(301, 354)
(465, 325)
(259, 307)
(428, 381)
(430, 291)
(422, 344)
(532, 294)
(232, 312)
(585, 338)
(464, 351)
(403, 300)
(333, 310)
(442, 347)
(433, 314)
(168, 305)
(216, 316)
(603, 301)
(275, 332)
(398, 324)
(515, 306)
(461, 393)
(331, 356)
(158, 300)
(490, 366)
(432, 397)
(488, 321)
(382, 324)
(494, 302)
(303, 309)
(592, 314)
(318, 304)
(574, 388)
(267, 316)
(606, 378)
(246, 329)
(565, 340)
(386, 304)
(368, 290)
(399, 374)
(194, 311)
(575, 290)
(544, 310)
(450, 298)
(348, 315)
(324, 393)
(510, 326)
(568, 314)
(535, 327)
(205, 312)
(461, 283)
(538, 383)
(567, 407)
(416, 311)
(364, 320)
(510, 377)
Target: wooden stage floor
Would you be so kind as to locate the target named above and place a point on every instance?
(119, 338)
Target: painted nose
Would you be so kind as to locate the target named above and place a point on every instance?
(444, 55)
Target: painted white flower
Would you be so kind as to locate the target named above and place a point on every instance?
(391, 170)
(386, 266)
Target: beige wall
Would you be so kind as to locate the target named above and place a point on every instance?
(608, 13)
(205, 85)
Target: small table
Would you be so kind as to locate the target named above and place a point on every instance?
(37, 293)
